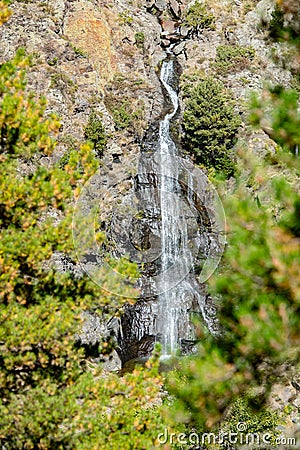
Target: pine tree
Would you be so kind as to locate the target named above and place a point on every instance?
(210, 124)
(257, 288)
(50, 397)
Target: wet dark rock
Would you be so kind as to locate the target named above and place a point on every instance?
(137, 330)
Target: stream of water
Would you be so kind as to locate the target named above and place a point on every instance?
(172, 226)
(176, 257)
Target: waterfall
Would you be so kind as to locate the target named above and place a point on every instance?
(176, 257)
(172, 225)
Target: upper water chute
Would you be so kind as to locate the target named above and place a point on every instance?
(167, 78)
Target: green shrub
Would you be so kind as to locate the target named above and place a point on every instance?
(53, 61)
(139, 39)
(277, 23)
(64, 160)
(199, 18)
(95, 133)
(277, 114)
(72, 146)
(233, 58)
(125, 116)
(125, 18)
(295, 82)
(124, 103)
(78, 52)
(62, 82)
(210, 125)
(122, 116)
(248, 6)
(243, 411)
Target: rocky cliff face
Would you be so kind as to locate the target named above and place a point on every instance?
(104, 56)
(83, 49)
(87, 52)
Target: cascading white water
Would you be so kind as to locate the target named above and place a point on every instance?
(176, 258)
(172, 224)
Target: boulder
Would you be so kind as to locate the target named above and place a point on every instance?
(185, 31)
(175, 8)
(168, 26)
(161, 5)
(178, 49)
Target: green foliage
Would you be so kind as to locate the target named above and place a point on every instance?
(276, 24)
(139, 39)
(257, 289)
(197, 411)
(125, 116)
(284, 27)
(72, 145)
(122, 116)
(53, 61)
(62, 82)
(95, 133)
(5, 12)
(210, 125)
(110, 412)
(79, 52)
(125, 18)
(259, 285)
(277, 111)
(284, 24)
(262, 421)
(249, 5)
(199, 18)
(123, 101)
(233, 58)
(50, 398)
(295, 83)
(280, 106)
(21, 133)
